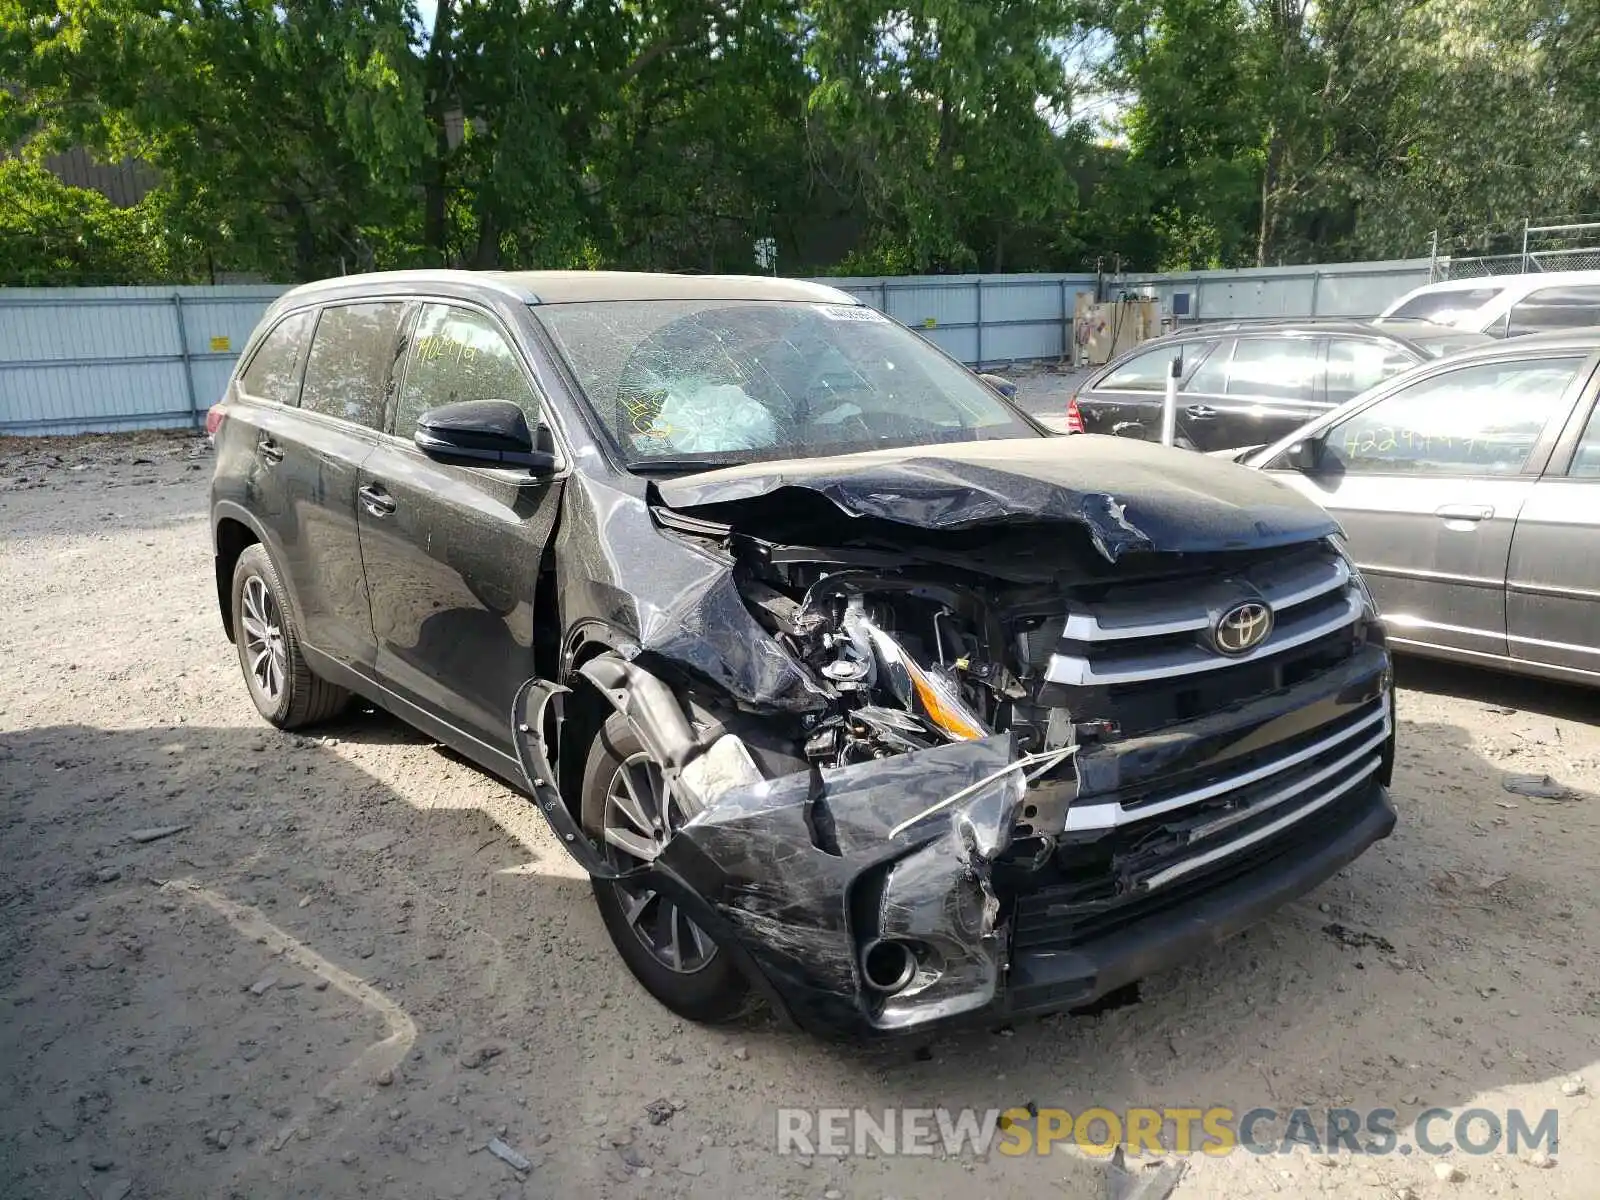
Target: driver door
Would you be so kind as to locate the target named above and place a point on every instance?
(453, 553)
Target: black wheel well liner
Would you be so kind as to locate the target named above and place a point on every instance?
(233, 538)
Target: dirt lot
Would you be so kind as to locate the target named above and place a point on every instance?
(360, 958)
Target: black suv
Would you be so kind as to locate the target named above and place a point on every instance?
(1249, 384)
(848, 684)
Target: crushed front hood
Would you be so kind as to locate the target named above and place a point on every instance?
(1127, 494)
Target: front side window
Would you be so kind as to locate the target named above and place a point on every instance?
(1354, 365)
(352, 355)
(1478, 420)
(274, 370)
(459, 354)
(1445, 306)
(1555, 308)
(1274, 368)
(749, 380)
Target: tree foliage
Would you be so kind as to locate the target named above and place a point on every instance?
(298, 138)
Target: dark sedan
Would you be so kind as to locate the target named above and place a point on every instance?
(1243, 385)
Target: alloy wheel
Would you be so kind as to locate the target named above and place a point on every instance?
(266, 659)
(639, 818)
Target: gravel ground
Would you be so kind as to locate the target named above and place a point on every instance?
(359, 959)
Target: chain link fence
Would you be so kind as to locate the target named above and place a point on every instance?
(1569, 247)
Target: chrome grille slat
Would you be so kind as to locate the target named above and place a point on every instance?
(1189, 865)
(1112, 814)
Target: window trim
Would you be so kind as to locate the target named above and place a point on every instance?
(1539, 457)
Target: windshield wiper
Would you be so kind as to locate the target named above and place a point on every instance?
(666, 466)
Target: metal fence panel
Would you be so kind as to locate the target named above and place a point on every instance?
(81, 360)
(85, 359)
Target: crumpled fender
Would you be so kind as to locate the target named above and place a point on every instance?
(805, 870)
(812, 867)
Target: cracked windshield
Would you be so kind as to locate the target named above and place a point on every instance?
(709, 383)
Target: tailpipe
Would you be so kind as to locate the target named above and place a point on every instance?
(888, 965)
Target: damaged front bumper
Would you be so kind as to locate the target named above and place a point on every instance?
(896, 895)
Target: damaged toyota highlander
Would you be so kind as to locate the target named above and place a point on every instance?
(850, 686)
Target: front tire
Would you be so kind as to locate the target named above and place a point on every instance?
(626, 807)
(283, 687)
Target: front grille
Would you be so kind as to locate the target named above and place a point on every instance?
(1160, 632)
(1141, 655)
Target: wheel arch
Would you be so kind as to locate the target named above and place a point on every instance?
(233, 531)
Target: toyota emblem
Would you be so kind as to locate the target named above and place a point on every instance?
(1242, 628)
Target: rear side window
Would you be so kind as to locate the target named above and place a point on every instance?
(352, 355)
(458, 354)
(1274, 368)
(1354, 365)
(1212, 375)
(1478, 420)
(1145, 372)
(273, 373)
(1555, 308)
(1444, 307)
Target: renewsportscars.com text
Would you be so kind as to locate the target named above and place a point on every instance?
(842, 1132)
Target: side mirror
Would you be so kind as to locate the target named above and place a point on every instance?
(484, 431)
(1304, 456)
(1000, 384)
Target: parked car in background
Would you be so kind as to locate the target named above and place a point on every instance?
(1252, 384)
(845, 681)
(1469, 491)
(1504, 305)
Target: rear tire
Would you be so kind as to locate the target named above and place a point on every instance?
(649, 932)
(283, 687)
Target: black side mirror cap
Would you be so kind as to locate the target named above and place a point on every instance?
(492, 432)
(1001, 384)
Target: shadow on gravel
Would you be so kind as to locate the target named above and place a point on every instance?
(1499, 689)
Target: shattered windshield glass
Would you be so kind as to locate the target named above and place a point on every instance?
(692, 384)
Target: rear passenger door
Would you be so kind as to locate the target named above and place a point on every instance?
(308, 458)
(1265, 388)
(453, 553)
(1553, 582)
(1428, 482)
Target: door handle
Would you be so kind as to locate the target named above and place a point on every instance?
(269, 450)
(1200, 412)
(1464, 512)
(376, 501)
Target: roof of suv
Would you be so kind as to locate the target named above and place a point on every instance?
(569, 287)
